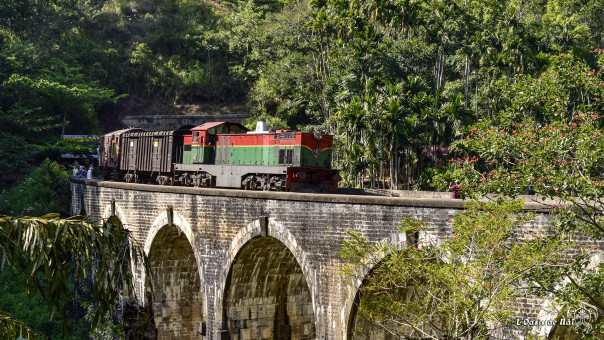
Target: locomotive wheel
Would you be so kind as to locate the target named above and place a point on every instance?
(203, 179)
(248, 183)
(131, 178)
(263, 182)
(164, 180)
(196, 180)
(184, 180)
(276, 183)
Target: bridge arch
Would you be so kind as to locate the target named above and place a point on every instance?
(163, 219)
(116, 210)
(265, 290)
(352, 292)
(179, 303)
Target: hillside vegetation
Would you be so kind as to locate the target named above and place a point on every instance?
(392, 79)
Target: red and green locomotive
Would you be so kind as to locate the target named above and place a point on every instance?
(221, 154)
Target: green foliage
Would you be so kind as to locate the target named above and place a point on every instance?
(11, 328)
(38, 102)
(331, 57)
(459, 286)
(44, 190)
(15, 153)
(426, 180)
(544, 139)
(31, 310)
(43, 248)
(300, 64)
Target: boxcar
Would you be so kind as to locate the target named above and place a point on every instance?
(110, 152)
(149, 155)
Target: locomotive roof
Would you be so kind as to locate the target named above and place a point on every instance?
(210, 125)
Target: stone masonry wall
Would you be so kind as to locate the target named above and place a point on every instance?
(219, 226)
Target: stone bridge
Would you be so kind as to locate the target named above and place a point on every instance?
(232, 264)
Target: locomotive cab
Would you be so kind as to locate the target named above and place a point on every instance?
(200, 146)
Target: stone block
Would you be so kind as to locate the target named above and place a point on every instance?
(265, 332)
(186, 311)
(245, 334)
(306, 329)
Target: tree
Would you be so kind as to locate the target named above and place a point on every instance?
(45, 189)
(464, 285)
(43, 247)
(545, 139)
(61, 89)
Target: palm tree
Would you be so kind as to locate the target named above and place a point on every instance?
(42, 247)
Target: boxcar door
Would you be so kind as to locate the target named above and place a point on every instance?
(156, 155)
(132, 146)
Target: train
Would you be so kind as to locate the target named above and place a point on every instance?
(223, 155)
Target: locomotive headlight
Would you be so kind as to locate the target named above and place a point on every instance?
(301, 175)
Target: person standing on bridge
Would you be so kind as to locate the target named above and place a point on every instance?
(81, 172)
(454, 187)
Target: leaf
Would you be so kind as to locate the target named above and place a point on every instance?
(48, 242)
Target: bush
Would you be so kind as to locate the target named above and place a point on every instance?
(44, 190)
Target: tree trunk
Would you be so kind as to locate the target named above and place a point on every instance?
(476, 95)
(467, 78)
(396, 171)
(392, 156)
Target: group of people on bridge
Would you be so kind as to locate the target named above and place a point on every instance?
(81, 172)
